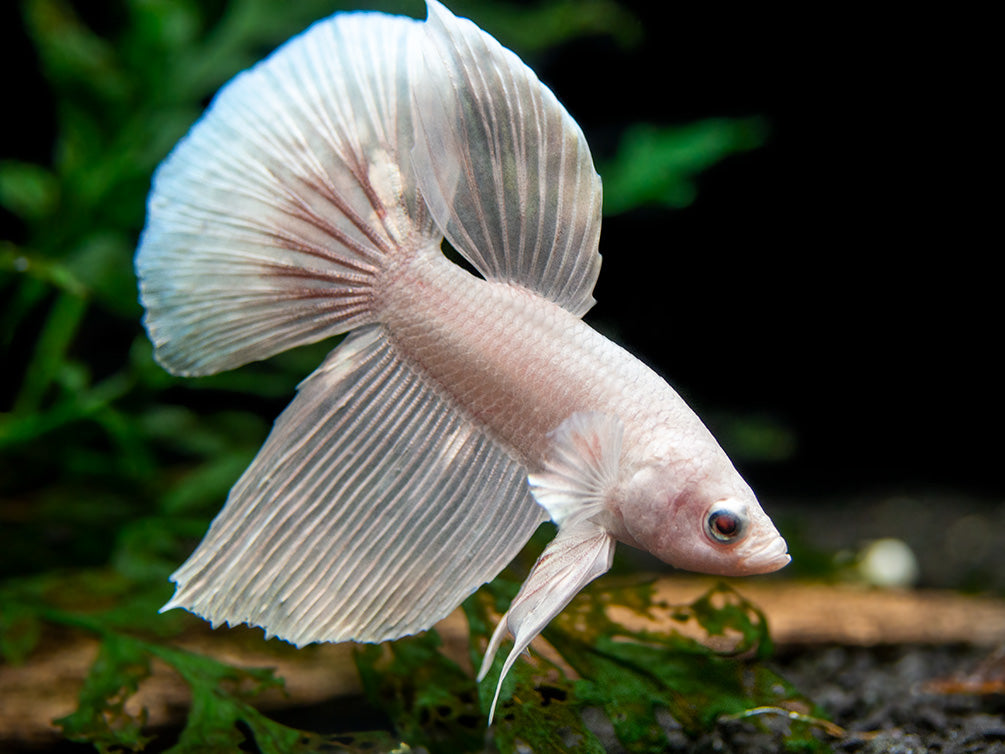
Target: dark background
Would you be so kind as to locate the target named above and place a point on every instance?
(837, 279)
(833, 280)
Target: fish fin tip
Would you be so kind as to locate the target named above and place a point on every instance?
(495, 697)
(495, 701)
(511, 658)
(492, 648)
(434, 8)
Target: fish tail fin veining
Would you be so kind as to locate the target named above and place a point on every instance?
(269, 224)
(355, 519)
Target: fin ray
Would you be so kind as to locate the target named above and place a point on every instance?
(372, 511)
(581, 466)
(576, 556)
(283, 200)
(505, 170)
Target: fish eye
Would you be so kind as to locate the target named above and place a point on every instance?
(725, 524)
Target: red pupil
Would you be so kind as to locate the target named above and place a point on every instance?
(726, 524)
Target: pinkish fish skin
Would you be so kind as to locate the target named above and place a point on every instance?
(461, 411)
(520, 366)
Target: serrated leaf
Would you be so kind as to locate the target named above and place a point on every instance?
(101, 717)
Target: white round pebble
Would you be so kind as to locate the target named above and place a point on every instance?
(888, 563)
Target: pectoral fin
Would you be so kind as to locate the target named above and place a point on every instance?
(581, 466)
(575, 557)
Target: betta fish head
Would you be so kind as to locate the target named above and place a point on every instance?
(697, 513)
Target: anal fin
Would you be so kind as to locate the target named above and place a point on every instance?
(373, 509)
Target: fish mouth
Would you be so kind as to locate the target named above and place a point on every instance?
(768, 558)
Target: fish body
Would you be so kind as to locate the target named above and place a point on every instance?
(462, 410)
(520, 365)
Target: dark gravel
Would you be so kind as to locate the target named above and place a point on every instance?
(877, 695)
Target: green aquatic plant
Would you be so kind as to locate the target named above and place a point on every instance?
(658, 166)
(648, 659)
(637, 663)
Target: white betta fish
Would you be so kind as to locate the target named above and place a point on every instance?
(461, 411)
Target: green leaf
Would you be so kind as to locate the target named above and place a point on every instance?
(29, 191)
(61, 325)
(430, 700)
(101, 717)
(103, 262)
(221, 703)
(20, 630)
(721, 611)
(632, 671)
(534, 27)
(657, 166)
(14, 259)
(536, 710)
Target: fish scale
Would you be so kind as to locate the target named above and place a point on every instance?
(517, 363)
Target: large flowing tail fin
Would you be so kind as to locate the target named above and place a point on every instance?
(377, 503)
(268, 223)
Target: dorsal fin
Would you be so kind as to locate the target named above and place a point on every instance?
(505, 170)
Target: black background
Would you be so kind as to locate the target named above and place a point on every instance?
(844, 278)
